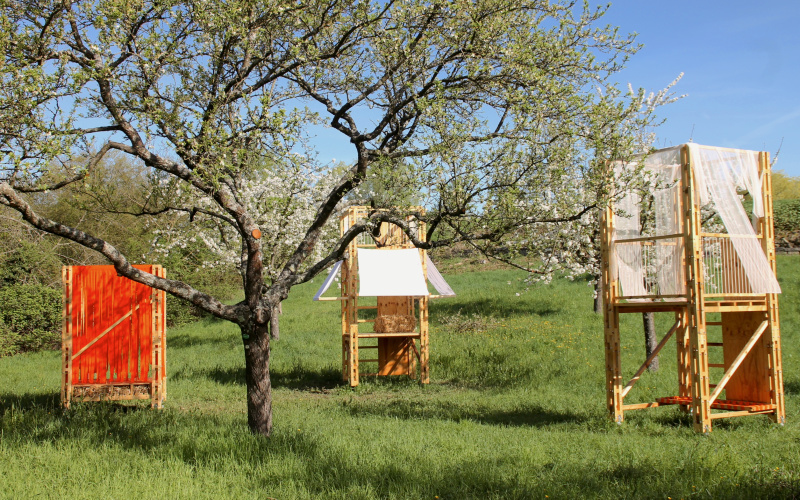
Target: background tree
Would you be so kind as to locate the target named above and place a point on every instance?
(489, 105)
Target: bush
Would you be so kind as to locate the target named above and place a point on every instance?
(786, 215)
(30, 318)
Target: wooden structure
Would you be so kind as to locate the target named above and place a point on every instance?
(113, 336)
(398, 339)
(714, 309)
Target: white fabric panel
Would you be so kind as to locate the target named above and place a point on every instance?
(437, 280)
(651, 269)
(668, 259)
(390, 273)
(328, 279)
(628, 255)
(718, 172)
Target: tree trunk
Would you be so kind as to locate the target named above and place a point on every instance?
(259, 387)
(650, 340)
(598, 297)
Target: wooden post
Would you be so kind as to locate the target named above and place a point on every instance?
(696, 306)
(775, 362)
(66, 337)
(611, 320)
(682, 339)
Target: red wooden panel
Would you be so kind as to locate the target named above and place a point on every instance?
(100, 299)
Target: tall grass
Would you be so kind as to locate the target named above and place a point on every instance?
(515, 409)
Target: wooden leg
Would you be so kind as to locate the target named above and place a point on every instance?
(684, 358)
(613, 366)
(701, 409)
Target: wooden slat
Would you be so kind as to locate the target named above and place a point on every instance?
(375, 335)
(726, 235)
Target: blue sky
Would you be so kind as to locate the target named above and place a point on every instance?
(741, 65)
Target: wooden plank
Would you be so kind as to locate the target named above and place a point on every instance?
(726, 235)
(731, 414)
(736, 362)
(375, 335)
(653, 296)
(640, 406)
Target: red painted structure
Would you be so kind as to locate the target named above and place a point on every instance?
(113, 336)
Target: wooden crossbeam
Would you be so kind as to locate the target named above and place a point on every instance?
(655, 352)
(649, 238)
(90, 344)
(738, 361)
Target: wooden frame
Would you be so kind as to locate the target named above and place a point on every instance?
(398, 353)
(126, 360)
(753, 376)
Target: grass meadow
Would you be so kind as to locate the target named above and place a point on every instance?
(515, 409)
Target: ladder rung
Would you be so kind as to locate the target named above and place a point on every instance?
(366, 321)
(367, 347)
(367, 360)
(716, 365)
(367, 307)
(374, 335)
(714, 344)
(714, 323)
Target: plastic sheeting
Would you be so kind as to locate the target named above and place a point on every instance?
(437, 280)
(328, 279)
(391, 273)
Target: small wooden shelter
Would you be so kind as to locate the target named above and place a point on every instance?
(720, 285)
(390, 268)
(113, 336)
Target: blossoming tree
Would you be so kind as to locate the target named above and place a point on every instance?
(480, 109)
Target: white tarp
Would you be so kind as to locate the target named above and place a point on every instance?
(328, 279)
(391, 273)
(437, 280)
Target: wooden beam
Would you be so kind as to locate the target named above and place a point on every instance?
(648, 238)
(90, 344)
(655, 352)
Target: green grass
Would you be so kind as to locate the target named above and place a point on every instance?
(515, 409)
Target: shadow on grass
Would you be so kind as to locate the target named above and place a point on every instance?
(296, 378)
(208, 443)
(495, 308)
(182, 340)
(10, 402)
(791, 387)
(526, 416)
